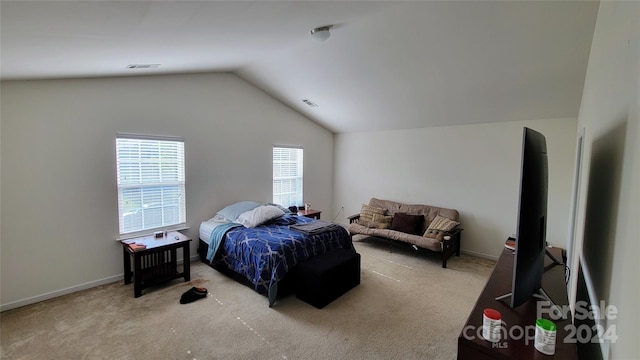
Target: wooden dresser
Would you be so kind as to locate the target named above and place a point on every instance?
(517, 345)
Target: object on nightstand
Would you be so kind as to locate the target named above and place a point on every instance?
(136, 247)
(510, 244)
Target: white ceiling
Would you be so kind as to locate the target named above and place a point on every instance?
(388, 65)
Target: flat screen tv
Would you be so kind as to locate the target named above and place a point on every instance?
(528, 264)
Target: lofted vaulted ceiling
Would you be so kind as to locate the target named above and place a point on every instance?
(387, 65)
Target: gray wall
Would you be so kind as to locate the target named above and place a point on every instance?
(608, 216)
(474, 169)
(59, 196)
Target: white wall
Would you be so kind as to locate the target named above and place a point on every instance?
(474, 169)
(59, 197)
(609, 197)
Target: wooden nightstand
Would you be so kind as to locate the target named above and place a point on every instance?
(314, 214)
(157, 261)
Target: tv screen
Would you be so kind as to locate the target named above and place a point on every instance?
(528, 264)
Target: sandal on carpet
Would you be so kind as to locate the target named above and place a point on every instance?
(193, 294)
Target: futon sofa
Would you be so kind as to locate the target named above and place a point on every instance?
(423, 226)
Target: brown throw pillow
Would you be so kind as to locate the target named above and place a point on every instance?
(406, 223)
(439, 226)
(381, 221)
(367, 212)
(443, 223)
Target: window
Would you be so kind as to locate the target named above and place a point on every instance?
(287, 176)
(150, 172)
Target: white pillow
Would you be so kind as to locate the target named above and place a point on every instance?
(258, 216)
(231, 212)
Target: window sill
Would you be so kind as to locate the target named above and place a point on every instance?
(177, 227)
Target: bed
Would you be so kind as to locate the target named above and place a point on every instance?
(264, 254)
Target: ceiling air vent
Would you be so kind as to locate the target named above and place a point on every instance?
(143, 66)
(309, 102)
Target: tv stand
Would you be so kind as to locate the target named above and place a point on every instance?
(471, 345)
(542, 295)
(552, 257)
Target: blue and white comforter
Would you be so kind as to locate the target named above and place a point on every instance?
(266, 253)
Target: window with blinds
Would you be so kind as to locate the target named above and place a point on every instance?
(150, 176)
(287, 176)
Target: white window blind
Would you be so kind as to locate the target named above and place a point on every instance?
(151, 191)
(287, 176)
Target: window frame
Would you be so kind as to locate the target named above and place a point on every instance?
(168, 190)
(298, 195)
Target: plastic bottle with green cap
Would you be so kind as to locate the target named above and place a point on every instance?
(545, 341)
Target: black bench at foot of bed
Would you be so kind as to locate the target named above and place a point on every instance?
(326, 277)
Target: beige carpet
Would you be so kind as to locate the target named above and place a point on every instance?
(406, 307)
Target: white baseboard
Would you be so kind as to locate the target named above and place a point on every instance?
(65, 291)
(69, 290)
(478, 254)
